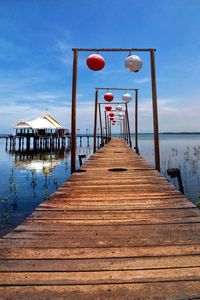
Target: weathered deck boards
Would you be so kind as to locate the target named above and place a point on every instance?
(106, 235)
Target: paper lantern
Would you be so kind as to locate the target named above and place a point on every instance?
(108, 97)
(133, 63)
(121, 114)
(95, 62)
(111, 114)
(118, 108)
(112, 118)
(127, 97)
(108, 107)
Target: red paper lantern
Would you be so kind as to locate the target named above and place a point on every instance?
(111, 114)
(112, 118)
(95, 62)
(113, 123)
(108, 107)
(108, 97)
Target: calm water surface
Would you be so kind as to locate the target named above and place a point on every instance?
(27, 179)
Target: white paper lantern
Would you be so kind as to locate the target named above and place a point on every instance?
(133, 63)
(121, 114)
(118, 108)
(121, 118)
(127, 97)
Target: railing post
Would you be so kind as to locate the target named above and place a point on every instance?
(101, 128)
(155, 111)
(95, 120)
(73, 112)
(128, 126)
(120, 129)
(106, 126)
(136, 121)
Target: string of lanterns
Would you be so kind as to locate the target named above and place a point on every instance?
(108, 108)
(126, 97)
(132, 63)
(112, 116)
(96, 62)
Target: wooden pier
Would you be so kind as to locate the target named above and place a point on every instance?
(117, 229)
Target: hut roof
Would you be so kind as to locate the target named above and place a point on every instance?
(45, 121)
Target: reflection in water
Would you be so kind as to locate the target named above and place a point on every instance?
(43, 161)
(182, 152)
(188, 161)
(33, 176)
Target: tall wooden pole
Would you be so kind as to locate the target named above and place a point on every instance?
(155, 111)
(106, 126)
(120, 124)
(109, 126)
(128, 126)
(101, 128)
(127, 136)
(136, 122)
(95, 120)
(73, 112)
(124, 129)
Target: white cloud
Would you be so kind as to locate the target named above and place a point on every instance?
(173, 114)
(142, 80)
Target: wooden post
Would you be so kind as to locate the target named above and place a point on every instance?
(123, 129)
(101, 128)
(73, 112)
(136, 122)
(155, 111)
(126, 129)
(110, 127)
(95, 120)
(120, 124)
(106, 126)
(127, 139)
(128, 126)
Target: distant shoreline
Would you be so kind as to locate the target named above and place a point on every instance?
(132, 133)
(180, 132)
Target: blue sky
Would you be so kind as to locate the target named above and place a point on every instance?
(36, 38)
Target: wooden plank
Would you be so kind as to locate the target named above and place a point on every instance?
(105, 264)
(105, 252)
(120, 214)
(161, 290)
(106, 235)
(100, 277)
